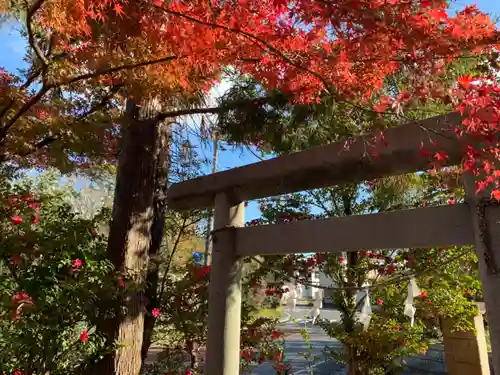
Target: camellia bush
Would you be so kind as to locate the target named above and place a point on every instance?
(52, 271)
(181, 322)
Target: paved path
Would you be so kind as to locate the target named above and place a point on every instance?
(294, 346)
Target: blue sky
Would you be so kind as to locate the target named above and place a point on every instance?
(12, 53)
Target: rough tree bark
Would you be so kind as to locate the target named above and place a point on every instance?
(158, 229)
(350, 294)
(130, 239)
(130, 233)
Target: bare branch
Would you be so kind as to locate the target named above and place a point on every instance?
(214, 110)
(32, 76)
(171, 257)
(25, 108)
(31, 37)
(48, 86)
(115, 69)
(96, 107)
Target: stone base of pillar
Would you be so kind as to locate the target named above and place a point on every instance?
(466, 353)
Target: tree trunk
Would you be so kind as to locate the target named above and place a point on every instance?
(129, 241)
(192, 349)
(157, 230)
(351, 294)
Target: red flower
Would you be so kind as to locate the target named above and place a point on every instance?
(341, 260)
(269, 292)
(26, 199)
(410, 260)
(122, 283)
(206, 270)
(380, 301)
(424, 294)
(278, 356)
(84, 336)
(16, 220)
(276, 335)
(496, 194)
(246, 354)
(280, 366)
(21, 297)
(34, 206)
(36, 219)
(155, 312)
(189, 372)
(77, 263)
(17, 372)
(16, 259)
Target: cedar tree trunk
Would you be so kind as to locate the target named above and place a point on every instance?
(157, 230)
(130, 239)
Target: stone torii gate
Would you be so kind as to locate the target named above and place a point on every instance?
(476, 222)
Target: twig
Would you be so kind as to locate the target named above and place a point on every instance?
(31, 37)
(116, 69)
(25, 108)
(29, 80)
(176, 244)
(218, 109)
(253, 153)
(52, 138)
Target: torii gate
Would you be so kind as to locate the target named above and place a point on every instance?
(476, 222)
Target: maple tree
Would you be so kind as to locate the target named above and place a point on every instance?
(105, 50)
(87, 57)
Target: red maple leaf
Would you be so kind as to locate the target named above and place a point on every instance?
(119, 9)
(465, 81)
